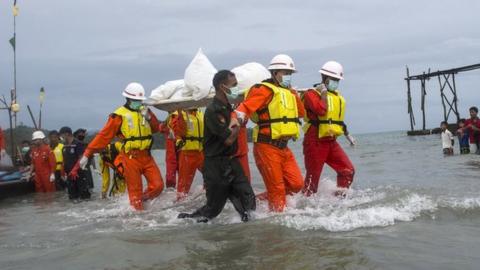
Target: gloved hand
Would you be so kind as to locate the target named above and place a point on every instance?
(52, 178)
(83, 162)
(144, 113)
(352, 140)
(233, 124)
(321, 88)
(74, 172)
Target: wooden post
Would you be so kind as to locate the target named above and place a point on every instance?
(424, 92)
(409, 100)
(442, 95)
(455, 98)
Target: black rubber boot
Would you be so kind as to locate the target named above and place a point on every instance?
(184, 215)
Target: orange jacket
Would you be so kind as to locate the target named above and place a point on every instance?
(258, 99)
(43, 159)
(111, 130)
(178, 125)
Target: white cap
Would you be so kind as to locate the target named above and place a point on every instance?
(134, 91)
(332, 69)
(38, 135)
(282, 62)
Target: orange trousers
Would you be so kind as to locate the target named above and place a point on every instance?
(189, 161)
(170, 163)
(243, 159)
(42, 182)
(133, 165)
(280, 173)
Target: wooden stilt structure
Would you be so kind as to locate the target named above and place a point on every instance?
(448, 93)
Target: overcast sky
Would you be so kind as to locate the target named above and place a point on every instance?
(85, 52)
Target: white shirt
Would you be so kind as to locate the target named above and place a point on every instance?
(447, 138)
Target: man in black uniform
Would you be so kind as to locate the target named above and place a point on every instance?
(223, 174)
(80, 135)
(73, 149)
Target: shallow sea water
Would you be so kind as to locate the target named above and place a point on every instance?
(409, 208)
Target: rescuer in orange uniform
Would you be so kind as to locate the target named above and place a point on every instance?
(43, 163)
(275, 108)
(325, 108)
(188, 128)
(171, 162)
(134, 125)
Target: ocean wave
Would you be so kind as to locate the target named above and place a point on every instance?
(456, 203)
(347, 218)
(364, 208)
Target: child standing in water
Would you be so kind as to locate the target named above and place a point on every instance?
(447, 139)
(463, 137)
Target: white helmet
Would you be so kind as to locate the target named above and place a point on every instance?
(134, 91)
(38, 135)
(332, 69)
(282, 61)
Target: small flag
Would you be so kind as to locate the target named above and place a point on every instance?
(15, 8)
(12, 42)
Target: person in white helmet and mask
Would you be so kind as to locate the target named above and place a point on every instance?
(43, 163)
(324, 123)
(134, 125)
(275, 108)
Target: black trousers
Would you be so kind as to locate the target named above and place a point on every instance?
(224, 179)
(78, 189)
(60, 185)
(89, 176)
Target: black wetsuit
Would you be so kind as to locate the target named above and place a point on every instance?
(222, 172)
(71, 154)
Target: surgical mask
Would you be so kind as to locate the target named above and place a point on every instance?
(25, 149)
(135, 105)
(332, 85)
(233, 93)
(286, 81)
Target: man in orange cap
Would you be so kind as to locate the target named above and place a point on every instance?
(134, 125)
(275, 108)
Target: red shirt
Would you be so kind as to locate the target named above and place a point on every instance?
(112, 129)
(474, 122)
(315, 106)
(43, 160)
